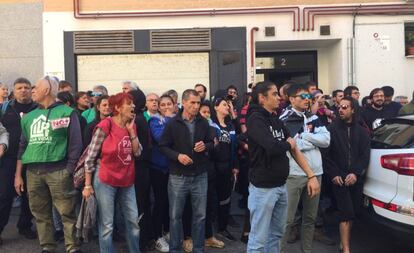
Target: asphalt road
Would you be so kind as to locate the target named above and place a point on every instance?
(366, 238)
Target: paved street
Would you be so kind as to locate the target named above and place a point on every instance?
(366, 239)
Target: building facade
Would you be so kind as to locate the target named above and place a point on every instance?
(175, 44)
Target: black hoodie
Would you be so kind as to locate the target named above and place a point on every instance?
(269, 164)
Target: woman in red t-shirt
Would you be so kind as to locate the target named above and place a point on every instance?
(111, 154)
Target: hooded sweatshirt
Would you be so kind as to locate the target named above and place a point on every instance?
(310, 134)
(269, 163)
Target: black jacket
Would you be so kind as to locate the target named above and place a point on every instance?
(269, 164)
(175, 140)
(349, 150)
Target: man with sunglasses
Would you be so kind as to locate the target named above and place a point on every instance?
(310, 134)
(345, 162)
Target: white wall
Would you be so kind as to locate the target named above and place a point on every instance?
(334, 72)
(381, 61)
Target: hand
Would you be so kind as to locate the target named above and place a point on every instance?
(313, 187)
(184, 159)
(246, 146)
(19, 184)
(235, 172)
(87, 192)
(338, 181)
(130, 126)
(292, 143)
(199, 147)
(350, 179)
(2, 149)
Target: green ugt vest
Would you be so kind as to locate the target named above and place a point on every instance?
(46, 131)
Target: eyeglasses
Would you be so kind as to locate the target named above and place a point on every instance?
(344, 107)
(355, 92)
(304, 96)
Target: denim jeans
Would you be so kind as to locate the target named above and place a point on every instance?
(106, 197)
(178, 189)
(268, 208)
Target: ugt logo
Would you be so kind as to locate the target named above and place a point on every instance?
(39, 127)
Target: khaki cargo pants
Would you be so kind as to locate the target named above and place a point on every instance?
(48, 189)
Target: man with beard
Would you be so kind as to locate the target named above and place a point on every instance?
(372, 115)
(345, 162)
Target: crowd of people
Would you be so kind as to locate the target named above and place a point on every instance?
(161, 174)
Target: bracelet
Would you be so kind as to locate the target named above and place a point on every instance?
(133, 137)
(309, 178)
(87, 187)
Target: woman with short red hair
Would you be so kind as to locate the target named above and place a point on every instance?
(111, 154)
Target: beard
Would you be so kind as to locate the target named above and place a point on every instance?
(378, 104)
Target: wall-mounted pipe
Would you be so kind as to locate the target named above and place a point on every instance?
(399, 11)
(309, 12)
(252, 46)
(253, 52)
(294, 10)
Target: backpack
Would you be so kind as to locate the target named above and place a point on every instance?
(79, 172)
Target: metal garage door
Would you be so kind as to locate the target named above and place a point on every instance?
(153, 72)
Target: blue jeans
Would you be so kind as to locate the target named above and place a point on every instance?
(178, 189)
(268, 208)
(106, 197)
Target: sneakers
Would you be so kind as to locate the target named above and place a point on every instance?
(226, 234)
(162, 245)
(213, 242)
(188, 245)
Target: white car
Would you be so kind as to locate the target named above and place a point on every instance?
(389, 183)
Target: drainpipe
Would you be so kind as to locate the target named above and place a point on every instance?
(353, 79)
(253, 53)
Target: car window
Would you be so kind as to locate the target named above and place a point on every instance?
(393, 135)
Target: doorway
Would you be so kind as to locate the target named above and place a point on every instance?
(280, 67)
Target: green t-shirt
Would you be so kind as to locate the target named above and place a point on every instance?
(46, 132)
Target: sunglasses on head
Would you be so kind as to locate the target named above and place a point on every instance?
(96, 94)
(344, 107)
(304, 96)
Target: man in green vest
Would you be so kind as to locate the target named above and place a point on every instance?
(50, 146)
